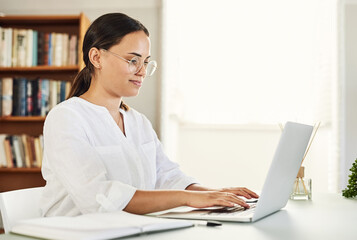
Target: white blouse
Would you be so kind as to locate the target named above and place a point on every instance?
(90, 166)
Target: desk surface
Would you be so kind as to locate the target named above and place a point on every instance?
(327, 216)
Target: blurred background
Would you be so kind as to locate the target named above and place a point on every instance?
(231, 70)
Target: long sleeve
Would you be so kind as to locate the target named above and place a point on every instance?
(73, 166)
(168, 173)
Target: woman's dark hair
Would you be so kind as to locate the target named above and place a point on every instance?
(105, 32)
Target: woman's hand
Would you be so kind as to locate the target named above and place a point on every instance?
(240, 191)
(202, 199)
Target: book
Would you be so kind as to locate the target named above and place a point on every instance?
(21, 47)
(38, 151)
(19, 97)
(26, 150)
(29, 47)
(7, 84)
(3, 162)
(34, 47)
(8, 152)
(95, 226)
(45, 96)
(0, 97)
(16, 149)
(3, 47)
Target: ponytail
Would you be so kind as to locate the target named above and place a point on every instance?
(81, 83)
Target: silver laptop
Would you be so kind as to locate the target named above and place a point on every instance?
(277, 187)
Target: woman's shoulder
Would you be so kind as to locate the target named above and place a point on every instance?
(68, 110)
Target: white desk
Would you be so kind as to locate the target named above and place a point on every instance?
(327, 216)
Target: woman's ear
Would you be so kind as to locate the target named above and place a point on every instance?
(94, 57)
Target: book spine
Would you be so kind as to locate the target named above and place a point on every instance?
(21, 150)
(34, 92)
(50, 48)
(7, 87)
(0, 97)
(45, 94)
(8, 152)
(15, 98)
(34, 48)
(58, 83)
(40, 48)
(46, 49)
(29, 99)
(53, 94)
(32, 151)
(22, 97)
(39, 97)
(9, 34)
(3, 53)
(65, 49)
(38, 151)
(21, 47)
(14, 48)
(58, 48)
(16, 148)
(26, 150)
(3, 162)
(29, 47)
(63, 91)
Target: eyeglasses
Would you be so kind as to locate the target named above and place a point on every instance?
(135, 64)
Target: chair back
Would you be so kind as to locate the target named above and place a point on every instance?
(18, 205)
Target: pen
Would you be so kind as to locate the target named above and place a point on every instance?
(208, 223)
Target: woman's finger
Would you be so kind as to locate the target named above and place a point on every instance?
(233, 198)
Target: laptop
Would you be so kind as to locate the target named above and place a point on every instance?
(277, 187)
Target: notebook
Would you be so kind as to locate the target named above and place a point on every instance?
(95, 226)
(277, 187)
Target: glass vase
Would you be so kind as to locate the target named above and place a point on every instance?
(302, 188)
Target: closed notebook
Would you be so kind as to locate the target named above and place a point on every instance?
(95, 226)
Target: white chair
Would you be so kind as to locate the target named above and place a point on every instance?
(18, 205)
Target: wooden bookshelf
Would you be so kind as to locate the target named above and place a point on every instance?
(66, 73)
(18, 178)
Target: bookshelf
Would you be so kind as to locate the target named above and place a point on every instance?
(17, 178)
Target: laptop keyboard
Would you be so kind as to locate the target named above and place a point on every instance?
(232, 211)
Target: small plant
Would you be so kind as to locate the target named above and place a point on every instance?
(351, 190)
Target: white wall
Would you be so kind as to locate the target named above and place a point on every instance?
(146, 11)
(349, 78)
(241, 155)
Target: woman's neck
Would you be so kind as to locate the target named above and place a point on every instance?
(95, 97)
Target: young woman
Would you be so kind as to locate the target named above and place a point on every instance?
(99, 154)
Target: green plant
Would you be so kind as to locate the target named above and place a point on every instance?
(351, 190)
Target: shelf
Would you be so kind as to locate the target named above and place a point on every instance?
(66, 73)
(32, 126)
(22, 119)
(20, 170)
(19, 178)
(43, 68)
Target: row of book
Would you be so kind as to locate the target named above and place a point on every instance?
(20, 151)
(31, 97)
(27, 47)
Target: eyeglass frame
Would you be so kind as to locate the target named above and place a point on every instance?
(130, 61)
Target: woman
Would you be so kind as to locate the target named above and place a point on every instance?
(100, 155)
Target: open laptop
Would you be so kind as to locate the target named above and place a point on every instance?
(277, 187)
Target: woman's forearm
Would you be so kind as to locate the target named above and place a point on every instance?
(144, 202)
(197, 196)
(197, 187)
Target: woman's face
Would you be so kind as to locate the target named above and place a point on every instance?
(115, 76)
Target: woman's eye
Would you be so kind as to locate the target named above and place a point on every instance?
(134, 61)
(146, 63)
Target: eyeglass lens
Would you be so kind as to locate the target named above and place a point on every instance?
(135, 66)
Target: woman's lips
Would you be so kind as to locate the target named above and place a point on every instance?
(137, 83)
